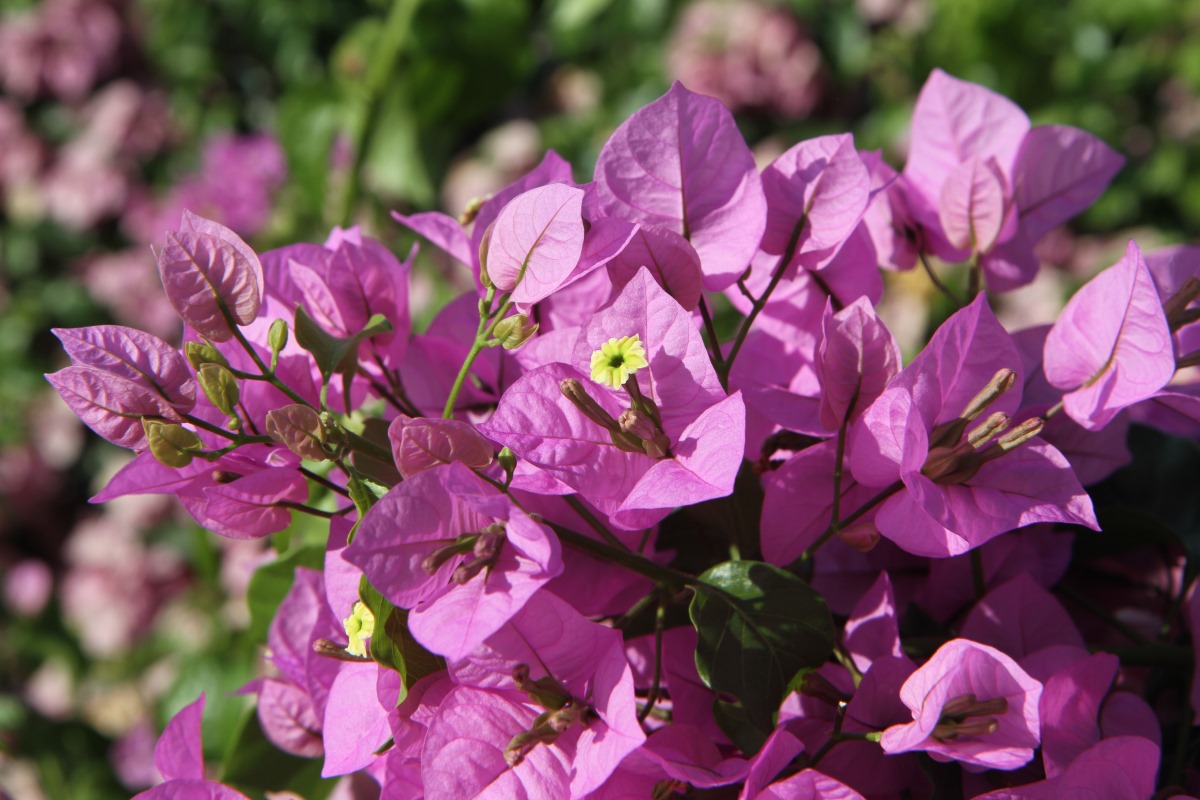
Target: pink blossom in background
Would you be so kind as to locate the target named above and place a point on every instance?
(749, 55)
(28, 585)
(61, 48)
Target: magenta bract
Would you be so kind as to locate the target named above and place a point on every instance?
(680, 163)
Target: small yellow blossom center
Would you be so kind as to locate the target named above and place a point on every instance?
(617, 359)
(360, 626)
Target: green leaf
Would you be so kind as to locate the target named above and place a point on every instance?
(392, 645)
(271, 583)
(734, 723)
(335, 354)
(253, 765)
(1150, 500)
(758, 627)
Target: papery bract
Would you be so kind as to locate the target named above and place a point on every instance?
(962, 667)
(857, 358)
(891, 441)
(456, 620)
(463, 754)
(585, 659)
(424, 442)
(1111, 346)
(809, 785)
(1124, 766)
(816, 194)
(705, 429)
(139, 357)
(680, 163)
(536, 242)
(356, 716)
(1059, 172)
(242, 495)
(872, 631)
(887, 218)
(798, 502)
(212, 278)
(179, 759)
(953, 122)
(401, 546)
(406, 526)
(974, 205)
(111, 405)
(680, 378)
(671, 260)
(1070, 709)
(1019, 617)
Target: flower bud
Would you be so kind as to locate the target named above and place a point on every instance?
(220, 387)
(484, 244)
(277, 339)
(173, 445)
(508, 462)
(573, 390)
(471, 211)
(201, 353)
(512, 332)
(862, 536)
(948, 433)
(1175, 308)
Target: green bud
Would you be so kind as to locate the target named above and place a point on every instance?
(508, 461)
(277, 339)
(220, 387)
(173, 445)
(471, 211)
(483, 254)
(201, 353)
(512, 332)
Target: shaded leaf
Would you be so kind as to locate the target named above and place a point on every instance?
(758, 627)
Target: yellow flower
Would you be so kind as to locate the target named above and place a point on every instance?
(360, 626)
(617, 359)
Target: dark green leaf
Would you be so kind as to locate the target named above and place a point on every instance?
(1152, 498)
(758, 627)
(253, 765)
(334, 354)
(734, 723)
(392, 645)
(271, 582)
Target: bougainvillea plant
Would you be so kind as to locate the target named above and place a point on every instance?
(581, 545)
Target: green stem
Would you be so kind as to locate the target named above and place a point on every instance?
(624, 558)
(267, 374)
(836, 511)
(714, 344)
(660, 618)
(379, 74)
(831, 530)
(321, 479)
(975, 279)
(603, 532)
(237, 438)
(367, 447)
(978, 580)
(943, 288)
(487, 324)
(761, 302)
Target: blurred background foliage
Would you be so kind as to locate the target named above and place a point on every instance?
(282, 118)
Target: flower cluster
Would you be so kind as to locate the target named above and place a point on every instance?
(523, 498)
